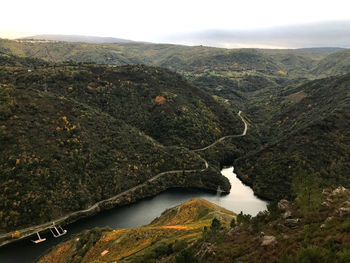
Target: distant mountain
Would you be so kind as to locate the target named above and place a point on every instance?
(78, 38)
(300, 62)
(325, 34)
(334, 64)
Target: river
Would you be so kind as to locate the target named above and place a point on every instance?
(241, 198)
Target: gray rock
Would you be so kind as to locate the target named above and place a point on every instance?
(329, 219)
(343, 211)
(206, 249)
(263, 213)
(233, 231)
(346, 204)
(268, 241)
(287, 214)
(282, 227)
(325, 204)
(285, 236)
(339, 191)
(326, 191)
(292, 222)
(283, 205)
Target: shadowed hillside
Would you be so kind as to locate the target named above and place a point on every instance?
(72, 135)
(334, 64)
(306, 131)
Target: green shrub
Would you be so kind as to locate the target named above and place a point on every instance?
(179, 245)
(243, 219)
(215, 225)
(233, 223)
(186, 256)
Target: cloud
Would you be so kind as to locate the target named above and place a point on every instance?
(322, 34)
(152, 19)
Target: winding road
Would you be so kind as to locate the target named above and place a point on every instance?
(226, 137)
(25, 232)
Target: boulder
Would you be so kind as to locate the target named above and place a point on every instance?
(343, 211)
(328, 219)
(233, 231)
(339, 190)
(283, 205)
(346, 204)
(206, 249)
(325, 204)
(263, 213)
(287, 214)
(285, 236)
(292, 222)
(326, 191)
(268, 241)
(286, 207)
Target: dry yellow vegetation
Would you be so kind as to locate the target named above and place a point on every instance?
(183, 222)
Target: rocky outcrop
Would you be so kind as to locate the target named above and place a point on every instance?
(286, 207)
(206, 249)
(292, 222)
(337, 200)
(268, 241)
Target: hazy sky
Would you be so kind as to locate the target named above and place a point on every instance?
(151, 20)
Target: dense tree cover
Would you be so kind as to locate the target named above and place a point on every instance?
(292, 125)
(221, 72)
(71, 135)
(334, 64)
(59, 156)
(306, 130)
(11, 60)
(158, 102)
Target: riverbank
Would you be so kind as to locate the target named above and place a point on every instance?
(155, 185)
(240, 198)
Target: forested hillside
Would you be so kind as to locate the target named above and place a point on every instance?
(228, 73)
(334, 64)
(71, 135)
(306, 133)
(295, 123)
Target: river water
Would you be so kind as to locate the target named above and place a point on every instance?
(241, 198)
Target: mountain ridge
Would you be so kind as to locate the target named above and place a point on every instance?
(76, 38)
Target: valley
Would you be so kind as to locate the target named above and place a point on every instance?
(86, 127)
(135, 193)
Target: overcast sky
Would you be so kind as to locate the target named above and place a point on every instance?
(154, 20)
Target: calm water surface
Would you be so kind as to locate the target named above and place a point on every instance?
(241, 198)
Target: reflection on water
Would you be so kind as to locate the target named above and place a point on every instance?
(241, 198)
